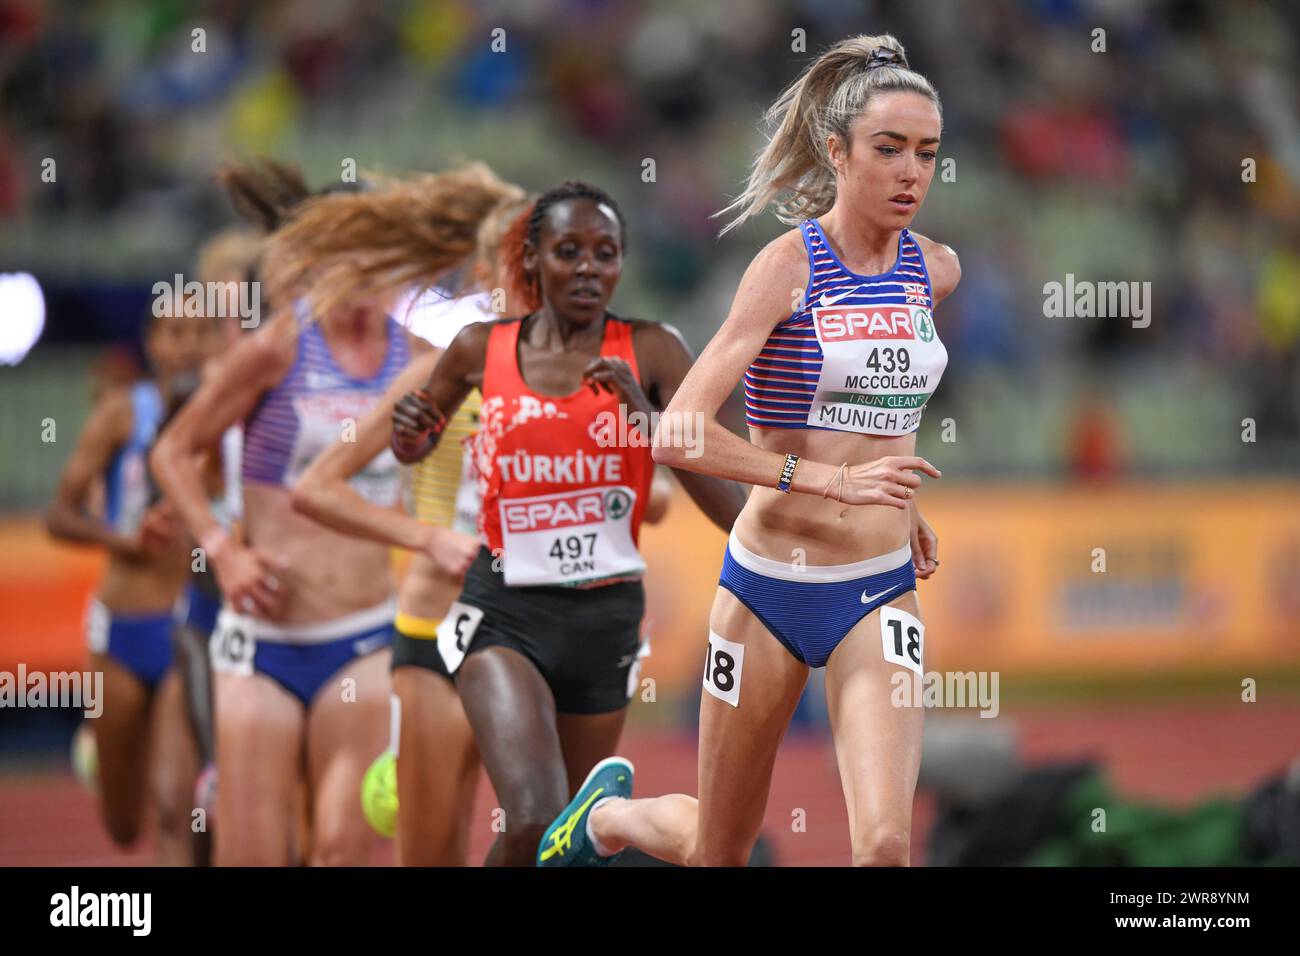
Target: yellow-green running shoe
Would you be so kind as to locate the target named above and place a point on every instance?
(565, 841)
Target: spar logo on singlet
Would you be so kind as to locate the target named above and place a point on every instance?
(554, 512)
(852, 323)
(325, 418)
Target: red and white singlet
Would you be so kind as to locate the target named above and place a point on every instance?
(562, 502)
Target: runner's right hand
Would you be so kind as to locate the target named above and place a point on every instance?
(885, 481)
(451, 551)
(251, 580)
(160, 530)
(414, 419)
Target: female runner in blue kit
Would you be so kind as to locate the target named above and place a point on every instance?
(821, 566)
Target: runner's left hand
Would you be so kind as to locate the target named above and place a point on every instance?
(615, 376)
(925, 546)
(160, 529)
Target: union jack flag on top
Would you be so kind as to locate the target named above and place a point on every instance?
(916, 292)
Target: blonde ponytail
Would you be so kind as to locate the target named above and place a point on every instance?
(793, 172)
(407, 232)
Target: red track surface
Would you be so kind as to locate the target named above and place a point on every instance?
(1175, 754)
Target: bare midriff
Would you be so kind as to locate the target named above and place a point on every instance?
(817, 530)
(329, 574)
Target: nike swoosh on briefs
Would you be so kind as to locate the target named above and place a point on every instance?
(367, 644)
(868, 600)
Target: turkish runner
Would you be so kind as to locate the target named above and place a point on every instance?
(562, 502)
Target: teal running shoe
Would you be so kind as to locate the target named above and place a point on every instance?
(565, 841)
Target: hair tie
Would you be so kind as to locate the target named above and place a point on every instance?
(883, 56)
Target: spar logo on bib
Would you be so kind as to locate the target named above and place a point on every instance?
(550, 512)
(850, 323)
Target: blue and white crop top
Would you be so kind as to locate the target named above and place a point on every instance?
(126, 480)
(862, 355)
(309, 410)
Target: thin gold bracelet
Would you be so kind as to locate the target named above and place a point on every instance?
(840, 475)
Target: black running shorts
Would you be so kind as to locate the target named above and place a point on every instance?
(584, 641)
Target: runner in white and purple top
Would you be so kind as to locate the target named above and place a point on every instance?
(293, 423)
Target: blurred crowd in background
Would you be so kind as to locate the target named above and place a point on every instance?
(1171, 157)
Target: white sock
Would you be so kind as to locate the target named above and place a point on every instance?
(600, 848)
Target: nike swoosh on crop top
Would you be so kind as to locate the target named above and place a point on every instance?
(861, 355)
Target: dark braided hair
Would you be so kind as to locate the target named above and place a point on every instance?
(529, 228)
(573, 189)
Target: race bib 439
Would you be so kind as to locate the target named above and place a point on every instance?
(879, 367)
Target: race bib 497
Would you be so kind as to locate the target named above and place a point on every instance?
(571, 536)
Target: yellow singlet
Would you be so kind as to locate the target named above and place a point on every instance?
(442, 480)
